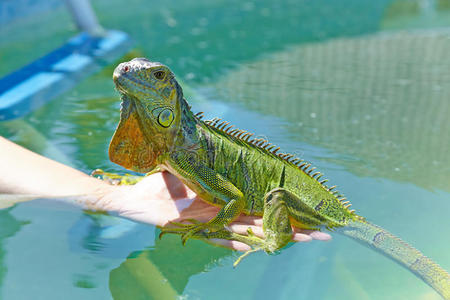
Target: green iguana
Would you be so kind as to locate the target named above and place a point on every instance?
(228, 168)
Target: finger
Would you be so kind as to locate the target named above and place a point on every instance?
(301, 237)
(230, 244)
(258, 231)
(240, 228)
(317, 235)
(298, 235)
(175, 187)
(252, 220)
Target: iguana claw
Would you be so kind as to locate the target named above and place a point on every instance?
(193, 230)
(187, 231)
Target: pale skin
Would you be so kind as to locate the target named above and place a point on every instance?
(158, 199)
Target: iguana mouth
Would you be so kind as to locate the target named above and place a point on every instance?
(125, 84)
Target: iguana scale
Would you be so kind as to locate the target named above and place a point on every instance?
(228, 168)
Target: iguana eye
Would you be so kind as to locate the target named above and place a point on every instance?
(159, 75)
(165, 118)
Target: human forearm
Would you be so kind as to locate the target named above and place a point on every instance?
(25, 172)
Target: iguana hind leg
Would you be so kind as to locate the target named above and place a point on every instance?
(276, 225)
(276, 222)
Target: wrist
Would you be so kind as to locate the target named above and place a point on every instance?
(94, 194)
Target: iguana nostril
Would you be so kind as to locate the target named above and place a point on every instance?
(126, 69)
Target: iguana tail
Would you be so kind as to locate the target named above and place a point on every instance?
(402, 253)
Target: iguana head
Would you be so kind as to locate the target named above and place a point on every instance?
(150, 114)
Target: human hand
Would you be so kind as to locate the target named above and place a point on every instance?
(162, 198)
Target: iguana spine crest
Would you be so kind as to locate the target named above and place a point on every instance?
(264, 145)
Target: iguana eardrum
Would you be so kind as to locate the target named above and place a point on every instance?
(228, 168)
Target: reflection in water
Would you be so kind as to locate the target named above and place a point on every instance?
(380, 99)
(161, 271)
(9, 226)
(164, 270)
(416, 14)
(23, 133)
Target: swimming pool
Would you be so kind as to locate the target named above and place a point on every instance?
(360, 89)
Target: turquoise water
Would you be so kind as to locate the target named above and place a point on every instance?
(360, 89)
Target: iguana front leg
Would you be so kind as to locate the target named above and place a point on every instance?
(224, 217)
(226, 234)
(213, 184)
